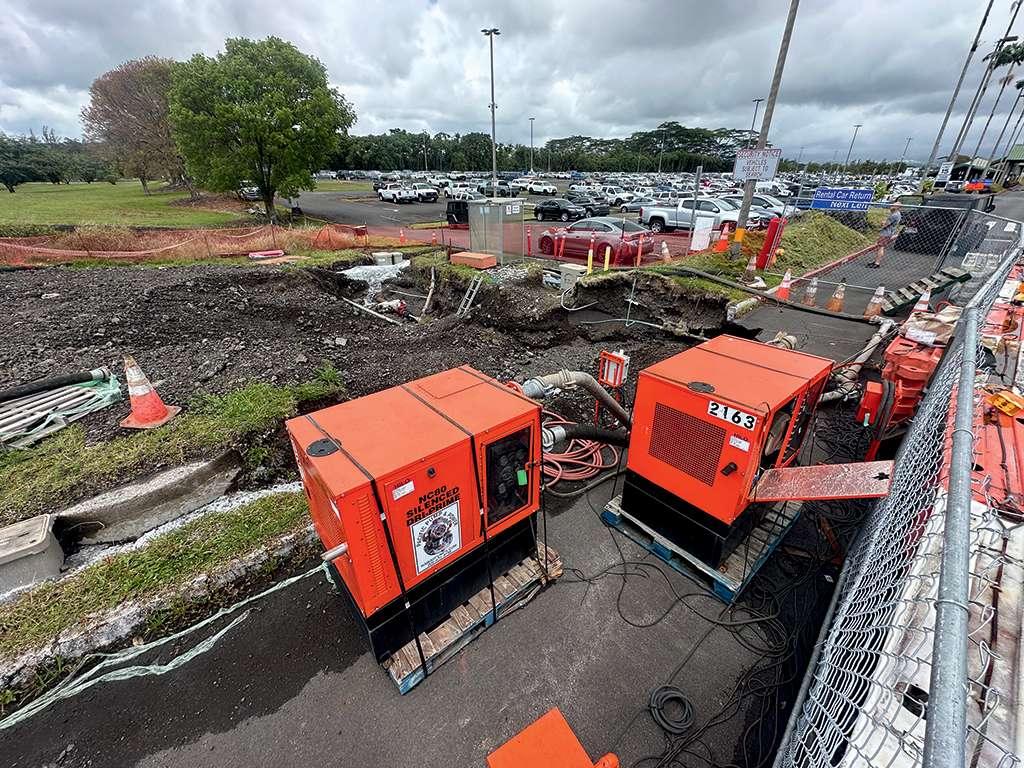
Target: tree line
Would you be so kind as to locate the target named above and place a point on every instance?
(671, 148)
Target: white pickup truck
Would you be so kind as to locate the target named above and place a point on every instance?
(397, 193)
(538, 187)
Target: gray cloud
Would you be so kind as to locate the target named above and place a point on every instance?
(595, 67)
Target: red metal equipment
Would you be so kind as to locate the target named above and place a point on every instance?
(547, 743)
(772, 238)
(421, 492)
(911, 365)
(706, 423)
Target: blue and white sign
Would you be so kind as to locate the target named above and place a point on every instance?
(842, 199)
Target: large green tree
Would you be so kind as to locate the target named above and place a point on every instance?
(261, 111)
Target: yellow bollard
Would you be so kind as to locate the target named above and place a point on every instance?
(607, 256)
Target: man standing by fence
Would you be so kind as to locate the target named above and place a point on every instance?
(886, 235)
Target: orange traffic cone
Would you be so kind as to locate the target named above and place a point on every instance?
(665, 255)
(148, 410)
(433, 238)
(874, 308)
(835, 304)
(782, 292)
(590, 253)
(924, 303)
(810, 293)
(401, 235)
(723, 239)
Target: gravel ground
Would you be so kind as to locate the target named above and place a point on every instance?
(213, 328)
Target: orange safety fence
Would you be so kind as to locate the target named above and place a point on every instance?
(152, 245)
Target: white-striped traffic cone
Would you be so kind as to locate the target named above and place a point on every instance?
(874, 308)
(924, 303)
(810, 293)
(148, 410)
(782, 292)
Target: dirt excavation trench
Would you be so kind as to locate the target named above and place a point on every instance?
(213, 329)
(200, 331)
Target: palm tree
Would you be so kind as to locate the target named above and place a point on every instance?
(1008, 56)
(1020, 93)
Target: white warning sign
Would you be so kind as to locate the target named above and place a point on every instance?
(436, 536)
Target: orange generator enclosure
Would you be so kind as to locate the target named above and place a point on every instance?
(706, 423)
(431, 486)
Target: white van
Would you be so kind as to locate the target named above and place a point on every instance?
(772, 188)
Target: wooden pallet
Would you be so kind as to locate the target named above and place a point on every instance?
(896, 300)
(736, 572)
(512, 590)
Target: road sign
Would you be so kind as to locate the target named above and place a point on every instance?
(759, 164)
(945, 170)
(842, 199)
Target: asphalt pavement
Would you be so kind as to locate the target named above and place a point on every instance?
(292, 686)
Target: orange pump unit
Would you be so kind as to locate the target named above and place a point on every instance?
(706, 424)
(421, 492)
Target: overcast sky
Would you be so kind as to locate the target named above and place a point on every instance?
(600, 68)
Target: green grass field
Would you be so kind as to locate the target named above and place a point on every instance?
(329, 185)
(122, 204)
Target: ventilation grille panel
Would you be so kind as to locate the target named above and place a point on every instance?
(687, 443)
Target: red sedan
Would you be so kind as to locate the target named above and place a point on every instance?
(623, 237)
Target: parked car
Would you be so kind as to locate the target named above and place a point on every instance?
(397, 193)
(616, 195)
(592, 206)
(252, 194)
(764, 202)
(425, 193)
(622, 236)
(467, 194)
(637, 203)
(558, 208)
(536, 187)
(457, 212)
(504, 189)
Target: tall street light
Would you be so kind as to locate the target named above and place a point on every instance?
(855, 129)
(531, 143)
(494, 141)
(904, 157)
(757, 103)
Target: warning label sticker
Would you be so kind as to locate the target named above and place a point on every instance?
(403, 489)
(436, 536)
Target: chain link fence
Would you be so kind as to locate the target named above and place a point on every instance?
(871, 687)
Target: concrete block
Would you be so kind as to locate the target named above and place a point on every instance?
(127, 512)
(383, 258)
(29, 553)
(475, 260)
(570, 273)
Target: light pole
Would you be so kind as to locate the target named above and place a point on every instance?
(904, 157)
(855, 129)
(757, 103)
(531, 143)
(494, 141)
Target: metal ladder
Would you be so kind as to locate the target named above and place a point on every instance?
(467, 300)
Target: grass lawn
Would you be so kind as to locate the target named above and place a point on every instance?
(122, 204)
(62, 468)
(330, 185)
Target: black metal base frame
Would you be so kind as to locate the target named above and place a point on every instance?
(705, 536)
(433, 599)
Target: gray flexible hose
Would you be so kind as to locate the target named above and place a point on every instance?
(540, 386)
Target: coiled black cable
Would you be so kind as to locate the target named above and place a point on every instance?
(679, 724)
